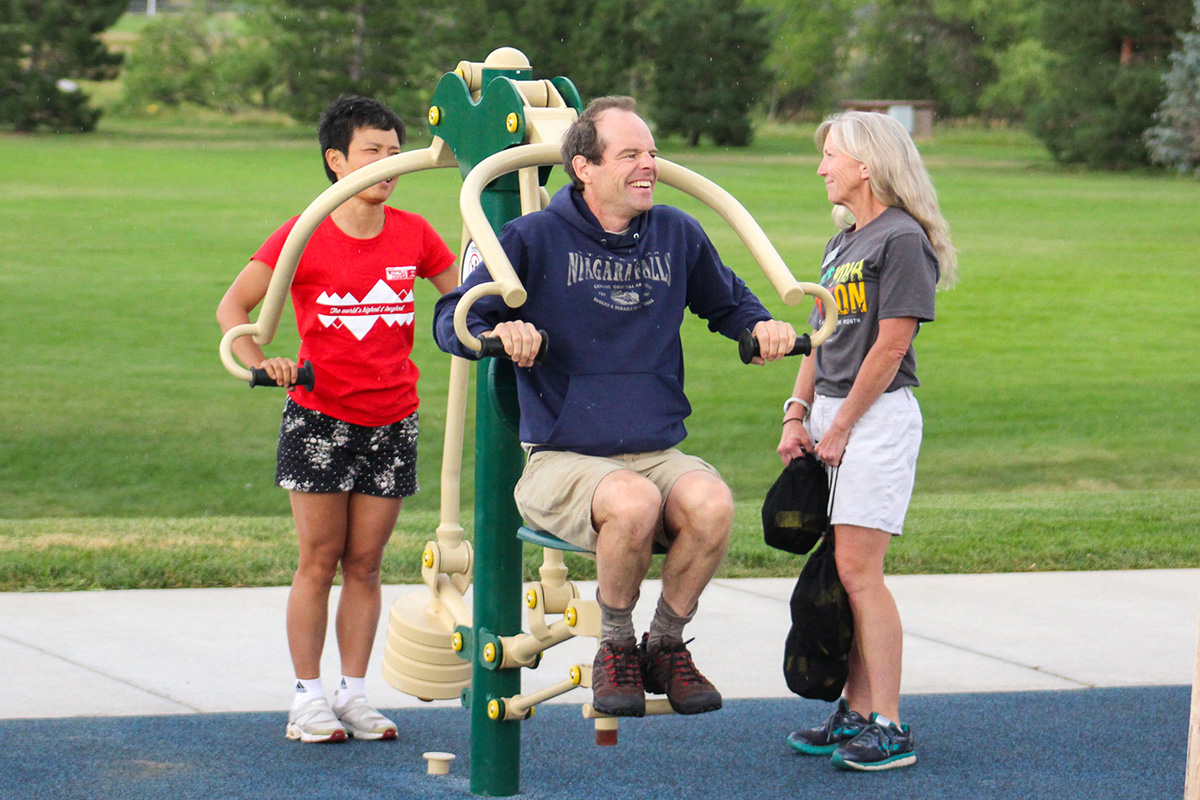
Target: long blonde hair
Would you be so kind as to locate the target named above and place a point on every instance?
(898, 177)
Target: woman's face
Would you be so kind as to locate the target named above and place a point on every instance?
(367, 145)
(845, 178)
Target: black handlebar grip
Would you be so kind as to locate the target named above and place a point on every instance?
(304, 377)
(748, 346)
(492, 347)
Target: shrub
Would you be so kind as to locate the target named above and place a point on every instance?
(1175, 140)
(43, 46)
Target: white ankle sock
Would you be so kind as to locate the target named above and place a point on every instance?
(352, 687)
(307, 690)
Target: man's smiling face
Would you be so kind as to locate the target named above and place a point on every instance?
(621, 186)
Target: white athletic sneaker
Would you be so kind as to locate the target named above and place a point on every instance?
(362, 721)
(314, 721)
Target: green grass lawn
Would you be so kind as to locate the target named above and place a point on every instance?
(1059, 381)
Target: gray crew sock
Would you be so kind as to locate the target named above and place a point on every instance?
(616, 624)
(667, 626)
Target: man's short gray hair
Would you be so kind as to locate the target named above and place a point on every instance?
(581, 139)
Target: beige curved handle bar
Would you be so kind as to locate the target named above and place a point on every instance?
(435, 156)
(790, 290)
(504, 280)
(506, 284)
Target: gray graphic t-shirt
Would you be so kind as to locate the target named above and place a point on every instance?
(884, 271)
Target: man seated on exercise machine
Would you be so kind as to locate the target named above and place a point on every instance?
(609, 275)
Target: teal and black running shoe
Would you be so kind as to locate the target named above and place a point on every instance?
(882, 745)
(842, 726)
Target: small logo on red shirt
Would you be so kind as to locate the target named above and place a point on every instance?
(401, 273)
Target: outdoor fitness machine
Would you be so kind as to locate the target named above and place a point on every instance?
(503, 130)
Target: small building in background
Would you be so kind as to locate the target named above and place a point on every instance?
(915, 115)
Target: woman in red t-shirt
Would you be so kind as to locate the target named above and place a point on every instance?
(347, 449)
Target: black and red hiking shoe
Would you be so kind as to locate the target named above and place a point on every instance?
(617, 680)
(668, 669)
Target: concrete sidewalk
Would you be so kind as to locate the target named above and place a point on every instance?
(148, 652)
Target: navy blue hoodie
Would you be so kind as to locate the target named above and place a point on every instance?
(612, 305)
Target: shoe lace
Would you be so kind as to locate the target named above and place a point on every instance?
(846, 721)
(682, 667)
(873, 736)
(622, 666)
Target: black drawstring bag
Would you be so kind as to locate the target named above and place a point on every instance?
(816, 655)
(795, 512)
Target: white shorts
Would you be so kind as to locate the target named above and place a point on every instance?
(875, 480)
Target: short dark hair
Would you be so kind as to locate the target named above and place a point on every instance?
(581, 139)
(348, 114)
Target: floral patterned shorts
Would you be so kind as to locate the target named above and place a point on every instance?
(318, 453)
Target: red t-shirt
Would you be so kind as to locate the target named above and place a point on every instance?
(354, 309)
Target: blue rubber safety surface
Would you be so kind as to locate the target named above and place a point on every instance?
(1114, 744)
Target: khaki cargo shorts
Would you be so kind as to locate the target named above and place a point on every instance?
(555, 491)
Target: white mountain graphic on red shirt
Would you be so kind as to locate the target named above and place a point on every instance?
(360, 316)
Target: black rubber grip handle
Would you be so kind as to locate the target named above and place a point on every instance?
(304, 377)
(492, 347)
(748, 346)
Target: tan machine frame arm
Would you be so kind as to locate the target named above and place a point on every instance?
(504, 279)
(437, 155)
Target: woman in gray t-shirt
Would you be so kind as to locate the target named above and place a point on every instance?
(854, 407)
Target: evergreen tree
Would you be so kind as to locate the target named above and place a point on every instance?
(44, 45)
(695, 65)
(598, 45)
(327, 48)
(809, 49)
(1105, 81)
(1175, 140)
(947, 51)
(708, 69)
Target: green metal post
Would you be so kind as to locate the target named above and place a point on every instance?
(495, 744)
(474, 130)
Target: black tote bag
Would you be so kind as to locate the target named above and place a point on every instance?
(816, 655)
(795, 511)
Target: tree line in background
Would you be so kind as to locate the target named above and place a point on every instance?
(1107, 83)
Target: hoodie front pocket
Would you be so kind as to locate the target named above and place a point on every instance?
(621, 413)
